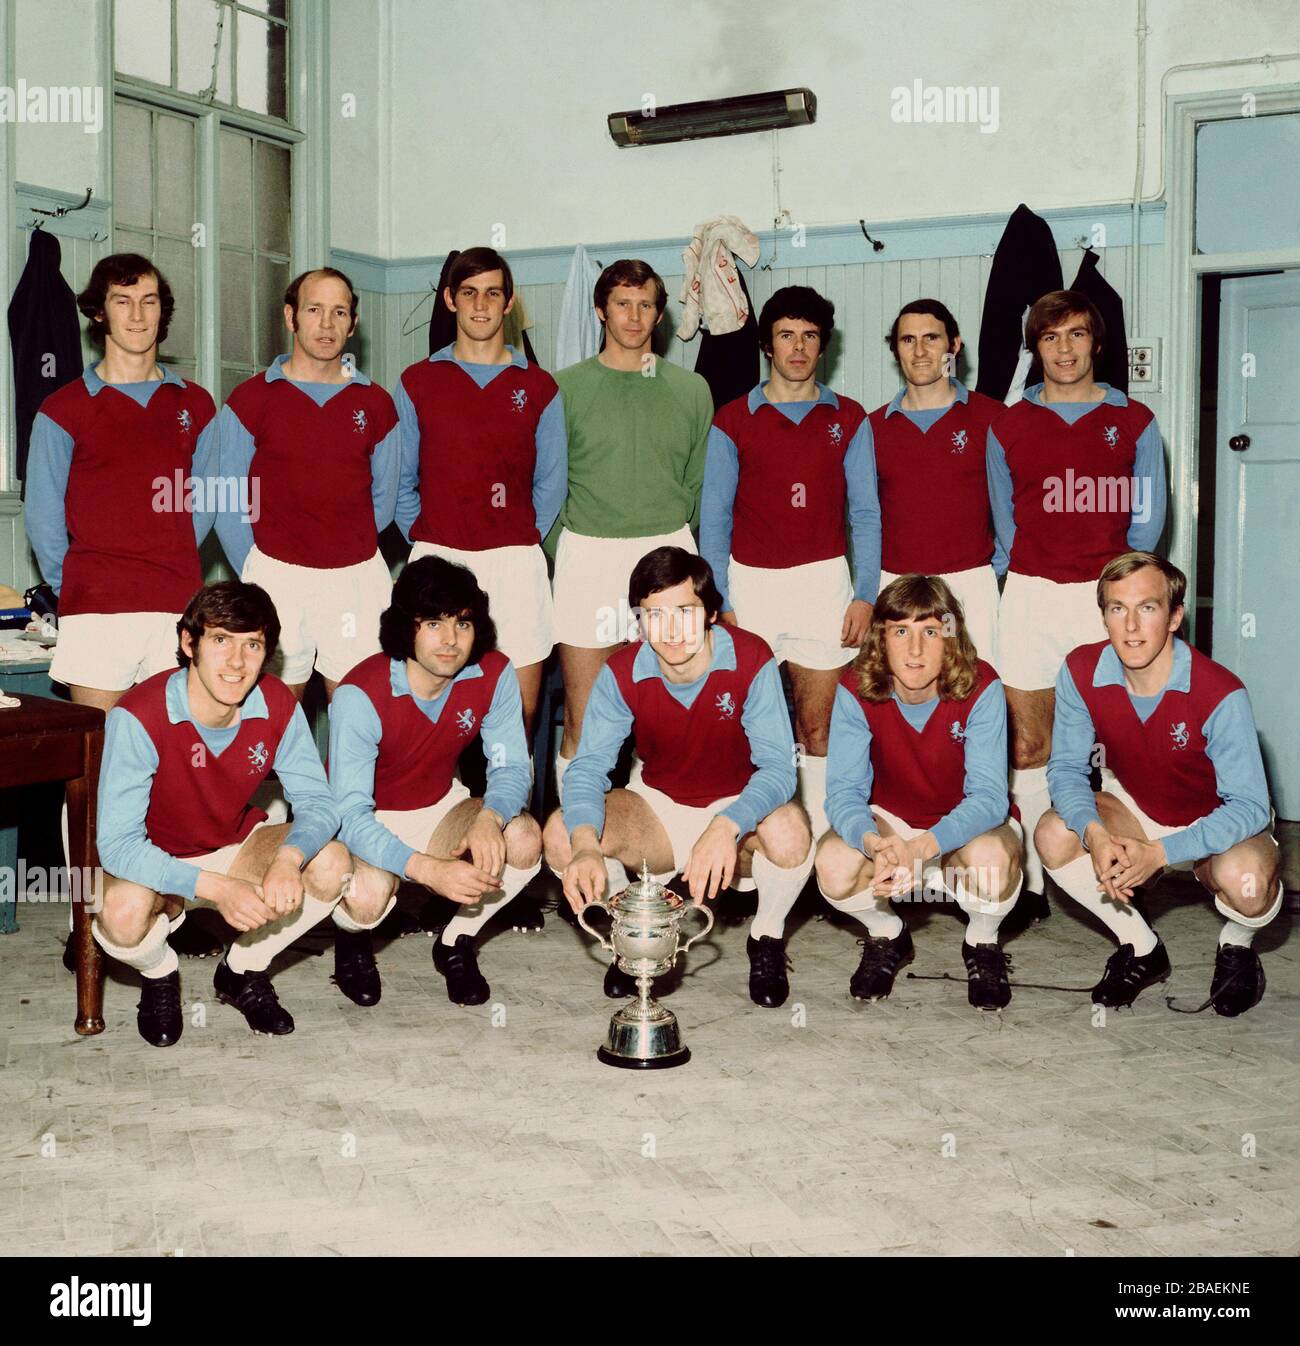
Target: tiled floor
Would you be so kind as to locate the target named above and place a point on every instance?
(912, 1126)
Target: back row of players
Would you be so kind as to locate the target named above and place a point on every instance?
(477, 457)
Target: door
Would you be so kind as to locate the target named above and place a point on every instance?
(1257, 518)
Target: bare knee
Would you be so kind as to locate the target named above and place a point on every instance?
(839, 868)
(1030, 747)
(1055, 843)
(555, 841)
(989, 866)
(328, 871)
(785, 837)
(523, 841)
(127, 914)
(369, 892)
(814, 739)
(1244, 884)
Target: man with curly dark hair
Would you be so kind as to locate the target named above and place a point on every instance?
(398, 723)
(917, 789)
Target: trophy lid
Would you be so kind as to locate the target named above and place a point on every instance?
(645, 896)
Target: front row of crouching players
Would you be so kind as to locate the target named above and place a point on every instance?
(398, 723)
(916, 789)
(710, 794)
(184, 752)
(1183, 786)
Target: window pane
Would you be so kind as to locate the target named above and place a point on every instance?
(272, 281)
(196, 47)
(272, 197)
(260, 79)
(185, 369)
(177, 262)
(232, 378)
(236, 307)
(142, 39)
(175, 174)
(236, 190)
(132, 166)
(129, 240)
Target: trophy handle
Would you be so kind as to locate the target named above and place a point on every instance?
(708, 925)
(595, 934)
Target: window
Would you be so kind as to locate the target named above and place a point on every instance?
(202, 153)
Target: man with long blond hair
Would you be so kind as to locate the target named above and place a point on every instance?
(917, 789)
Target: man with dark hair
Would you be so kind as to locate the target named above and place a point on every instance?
(918, 790)
(783, 462)
(1183, 786)
(710, 797)
(484, 461)
(638, 431)
(184, 753)
(928, 447)
(1076, 476)
(398, 724)
(317, 444)
(116, 491)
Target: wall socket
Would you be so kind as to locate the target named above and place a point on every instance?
(1144, 363)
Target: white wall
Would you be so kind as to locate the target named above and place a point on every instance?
(359, 107)
(498, 111)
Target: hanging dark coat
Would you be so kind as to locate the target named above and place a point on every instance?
(729, 363)
(44, 334)
(442, 321)
(1112, 367)
(1026, 266)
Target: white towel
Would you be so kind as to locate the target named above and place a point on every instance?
(578, 335)
(711, 289)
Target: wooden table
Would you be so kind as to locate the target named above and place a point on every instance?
(46, 740)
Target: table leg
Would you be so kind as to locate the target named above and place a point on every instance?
(82, 795)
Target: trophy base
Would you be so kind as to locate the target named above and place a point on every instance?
(678, 1058)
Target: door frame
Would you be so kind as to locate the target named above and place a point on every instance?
(1186, 267)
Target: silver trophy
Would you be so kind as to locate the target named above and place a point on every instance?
(644, 941)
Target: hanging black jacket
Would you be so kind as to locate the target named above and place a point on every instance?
(45, 335)
(1025, 267)
(1112, 368)
(729, 363)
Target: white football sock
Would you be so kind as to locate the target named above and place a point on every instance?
(254, 949)
(152, 957)
(345, 920)
(881, 920)
(615, 876)
(1031, 796)
(1239, 929)
(778, 890)
(470, 920)
(984, 915)
(561, 766)
(1122, 919)
(812, 793)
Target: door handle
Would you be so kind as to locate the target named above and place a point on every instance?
(1239, 443)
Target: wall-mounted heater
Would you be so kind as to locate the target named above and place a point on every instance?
(714, 117)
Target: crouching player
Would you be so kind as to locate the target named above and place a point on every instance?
(398, 723)
(184, 753)
(710, 796)
(1182, 785)
(917, 789)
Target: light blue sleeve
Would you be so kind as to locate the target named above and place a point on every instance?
(605, 726)
(864, 512)
(766, 722)
(1070, 769)
(717, 501)
(408, 477)
(551, 472)
(49, 459)
(235, 450)
(1232, 744)
(1004, 519)
(848, 771)
(125, 782)
(984, 792)
(385, 467)
(1149, 466)
(298, 765)
(355, 732)
(509, 766)
(206, 459)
